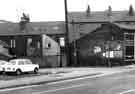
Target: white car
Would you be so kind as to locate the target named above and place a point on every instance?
(3, 64)
(21, 65)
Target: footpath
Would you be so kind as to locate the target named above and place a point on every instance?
(60, 74)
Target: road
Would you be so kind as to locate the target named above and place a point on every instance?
(121, 83)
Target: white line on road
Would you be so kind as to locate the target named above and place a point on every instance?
(17, 88)
(69, 80)
(80, 78)
(61, 89)
(127, 91)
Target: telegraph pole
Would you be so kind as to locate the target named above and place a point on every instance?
(67, 33)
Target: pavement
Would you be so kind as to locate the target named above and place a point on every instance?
(60, 74)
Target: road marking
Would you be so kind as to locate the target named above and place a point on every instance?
(54, 90)
(80, 78)
(51, 83)
(16, 88)
(128, 91)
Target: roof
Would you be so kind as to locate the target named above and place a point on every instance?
(123, 26)
(100, 16)
(8, 28)
(96, 18)
(32, 28)
(57, 27)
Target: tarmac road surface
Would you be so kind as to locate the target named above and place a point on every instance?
(121, 83)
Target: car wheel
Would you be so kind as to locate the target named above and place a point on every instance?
(36, 70)
(3, 72)
(18, 72)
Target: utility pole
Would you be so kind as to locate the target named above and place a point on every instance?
(67, 33)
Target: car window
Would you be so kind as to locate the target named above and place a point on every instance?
(27, 62)
(12, 62)
(2, 63)
(20, 62)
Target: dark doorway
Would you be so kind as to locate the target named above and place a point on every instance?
(20, 46)
(129, 53)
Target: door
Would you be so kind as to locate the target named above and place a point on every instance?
(20, 46)
(129, 53)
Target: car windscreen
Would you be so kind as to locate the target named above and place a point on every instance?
(2, 62)
(12, 62)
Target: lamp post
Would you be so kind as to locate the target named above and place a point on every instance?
(67, 33)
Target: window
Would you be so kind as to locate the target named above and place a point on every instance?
(12, 62)
(29, 41)
(97, 49)
(48, 45)
(38, 45)
(2, 62)
(129, 36)
(12, 43)
(82, 33)
(21, 63)
(62, 41)
(27, 62)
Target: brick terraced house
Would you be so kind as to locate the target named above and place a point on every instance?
(102, 37)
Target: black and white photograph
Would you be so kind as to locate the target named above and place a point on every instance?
(67, 47)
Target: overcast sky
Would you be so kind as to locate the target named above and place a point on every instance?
(53, 10)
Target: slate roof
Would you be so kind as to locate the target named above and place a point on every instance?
(96, 18)
(8, 28)
(32, 28)
(100, 16)
(58, 27)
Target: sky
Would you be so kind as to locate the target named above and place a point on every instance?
(53, 10)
